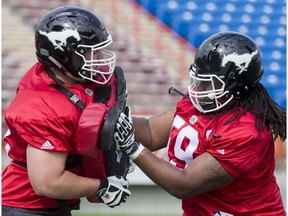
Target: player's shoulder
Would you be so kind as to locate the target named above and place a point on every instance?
(41, 107)
(242, 128)
(35, 94)
(40, 113)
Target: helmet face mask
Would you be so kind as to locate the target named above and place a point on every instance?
(98, 64)
(73, 39)
(206, 92)
(226, 67)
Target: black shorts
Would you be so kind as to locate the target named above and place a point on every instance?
(13, 211)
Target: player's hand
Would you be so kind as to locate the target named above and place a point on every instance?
(113, 191)
(124, 135)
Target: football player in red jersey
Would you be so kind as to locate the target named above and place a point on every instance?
(45, 176)
(220, 138)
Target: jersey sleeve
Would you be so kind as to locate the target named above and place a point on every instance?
(237, 151)
(43, 121)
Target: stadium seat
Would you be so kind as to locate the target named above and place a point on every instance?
(152, 5)
(275, 84)
(278, 95)
(167, 11)
(185, 22)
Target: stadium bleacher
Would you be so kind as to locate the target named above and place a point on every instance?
(264, 21)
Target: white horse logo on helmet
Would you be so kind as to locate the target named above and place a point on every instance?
(241, 61)
(59, 38)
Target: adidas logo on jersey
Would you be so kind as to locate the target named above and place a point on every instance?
(221, 151)
(47, 145)
(215, 213)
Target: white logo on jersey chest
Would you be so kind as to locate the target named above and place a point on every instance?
(193, 119)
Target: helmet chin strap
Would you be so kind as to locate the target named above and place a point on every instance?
(60, 86)
(65, 71)
(80, 80)
(57, 64)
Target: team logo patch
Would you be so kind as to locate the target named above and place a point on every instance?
(241, 61)
(193, 119)
(59, 38)
(88, 91)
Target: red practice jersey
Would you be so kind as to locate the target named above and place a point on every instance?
(45, 118)
(247, 155)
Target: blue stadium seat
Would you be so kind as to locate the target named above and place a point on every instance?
(152, 5)
(279, 96)
(196, 37)
(275, 84)
(138, 1)
(168, 10)
(185, 22)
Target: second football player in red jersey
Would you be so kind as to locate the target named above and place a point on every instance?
(219, 138)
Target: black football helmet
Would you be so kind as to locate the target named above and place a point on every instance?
(72, 39)
(226, 66)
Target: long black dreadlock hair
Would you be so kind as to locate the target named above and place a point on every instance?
(265, 109)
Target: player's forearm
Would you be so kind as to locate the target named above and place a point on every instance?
(170, 178)
(68, 186)
(153, 133)
(204, 174)
(142, 131)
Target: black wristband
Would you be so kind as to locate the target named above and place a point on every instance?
(102, 188)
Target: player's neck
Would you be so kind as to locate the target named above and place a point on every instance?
(66, 78)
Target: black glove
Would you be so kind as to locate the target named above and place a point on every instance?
(124, 135)
(113, 191)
